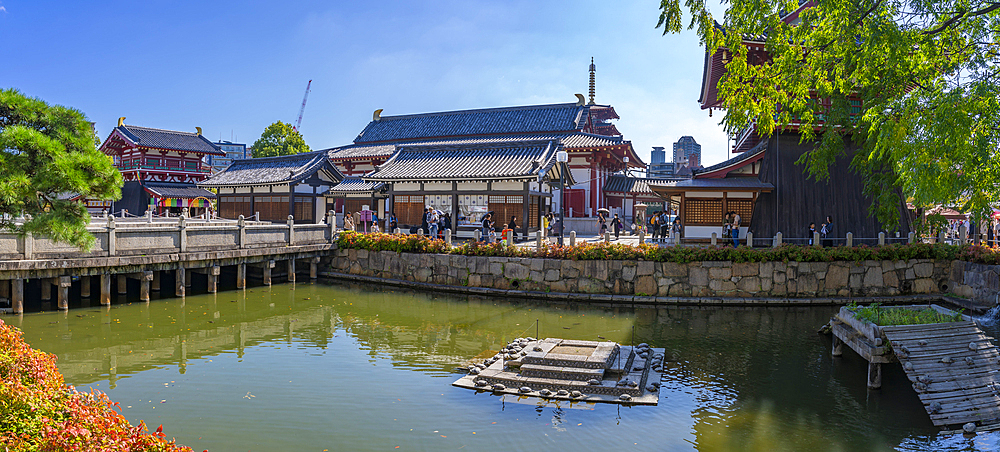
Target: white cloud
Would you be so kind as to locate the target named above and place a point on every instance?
(3, 9)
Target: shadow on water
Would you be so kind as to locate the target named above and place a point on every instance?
(737, 378)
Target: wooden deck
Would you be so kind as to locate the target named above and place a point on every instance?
(953, 368)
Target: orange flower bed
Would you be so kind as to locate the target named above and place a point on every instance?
(39, 412)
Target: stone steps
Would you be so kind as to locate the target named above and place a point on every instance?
(564, 373)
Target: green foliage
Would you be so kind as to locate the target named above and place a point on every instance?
(47, 151)
(890, 316)
(924, 70)
(279, 139)
(679, 254)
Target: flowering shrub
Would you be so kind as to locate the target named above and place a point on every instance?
(39, 412)
(679, 254)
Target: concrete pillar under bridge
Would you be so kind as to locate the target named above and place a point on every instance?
(17, 295)
(46, 286)
(122, 284)
(85, 286)
(63, 295)
(106, 289)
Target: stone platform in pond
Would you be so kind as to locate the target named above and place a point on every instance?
(561, 369)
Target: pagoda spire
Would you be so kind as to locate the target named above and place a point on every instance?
(592, 89)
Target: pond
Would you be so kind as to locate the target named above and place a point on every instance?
(329, 366)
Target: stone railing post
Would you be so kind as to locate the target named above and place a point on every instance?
(447, 237)
(750, 239)
(850, 239)
(881, 239)
(29, 245)
(910, 237)
(777, 240)
(420, 231)
(538, 241)
(715, 239)
(510, 238)
(572, 238)
(642, 237)
(607, 237)
(241, 223)
(149, 216)
(112, 248)
(182, 231)
(397, 231)
(816, 240)
(963, 234)
(477, 234)
(291, 230)
(940, 237)
(331, 219)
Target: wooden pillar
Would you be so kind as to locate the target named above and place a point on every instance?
(838, 346)
(122, 284)
(179, 288)
(155, 286)
(63, 295)
(46, 288)
(17, 295)
(291, 270)
(313, 267)
(241, 276)
(526, 205)
(213, 278)
(85, 286)
(874, 375)
(106, 289)
(144, 279)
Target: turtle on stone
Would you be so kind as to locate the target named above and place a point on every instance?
(482, 382)
(973, 346)
(474, 371)
(625, 397)
(633, 384)
(524, 389)
(545, 392)
(947, 360)
(919, 387)
(935, 407)
(651, 388)
(907, 366)
(970, 361)
(921, 342)
(969, 427)
(576, 394)
(562, 392)
(537, 348)
(594, 382)
(499, 387)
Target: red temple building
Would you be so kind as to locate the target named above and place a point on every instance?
(160, 169)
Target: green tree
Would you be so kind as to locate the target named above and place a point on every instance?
(279, 139)
(926, 73)
(46, 152)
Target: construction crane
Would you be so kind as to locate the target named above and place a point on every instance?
(298, 122)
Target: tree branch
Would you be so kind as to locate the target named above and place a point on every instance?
(960, 15)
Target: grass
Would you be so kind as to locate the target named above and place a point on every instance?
(891, 316)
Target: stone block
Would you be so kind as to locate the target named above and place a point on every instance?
(628, 273)
(663, 283)
(536, 276)
(957, 269)
(888, 266)
(515, 271)
(909, 275)
(646, 268)
(496, 269)
(551, 275)
(779, 290)
(836, 277)
(474, 280)
(855, 281)
(721, 286)
(746, 269)
(720, 272)
(807, 284)
(890, 279)
(924, 285)
(674, 269)
(551, 264)
(749, 284)
(857, 269)
(362, 254)
(779, 277)
(422, 274)
(765, 285)
(536, 264)
(791, 272)
(873, 276)
(766, 269)
(646, 284)
(679, 290)
(698, 276)
(924, 270)
(717, 264)
(569, 269)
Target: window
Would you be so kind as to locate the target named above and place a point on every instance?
(152, 161)
(744, 207)
(706, 212)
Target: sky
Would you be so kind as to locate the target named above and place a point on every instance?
(232, 68)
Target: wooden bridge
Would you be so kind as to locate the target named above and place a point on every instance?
(953, 367)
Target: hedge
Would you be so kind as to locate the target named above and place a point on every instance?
(39, 412)
(679, 254)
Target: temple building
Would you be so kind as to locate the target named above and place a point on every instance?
(763, 183)
(160, 169)
(272, 188)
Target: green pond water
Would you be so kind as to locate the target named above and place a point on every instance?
(329, 366)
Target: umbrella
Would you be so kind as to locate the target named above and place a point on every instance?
(603, 210)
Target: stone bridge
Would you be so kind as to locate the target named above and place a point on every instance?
(148, 250)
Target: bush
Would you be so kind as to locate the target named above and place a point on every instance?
(39, 412)
(679, 254)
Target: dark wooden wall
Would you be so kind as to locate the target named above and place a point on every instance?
(798, 199)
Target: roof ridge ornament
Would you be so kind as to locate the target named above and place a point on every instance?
(580, 100)
(593, 69)
(121, 121)
(377, 116)
(199, 130)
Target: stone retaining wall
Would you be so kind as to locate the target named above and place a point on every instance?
(696, 279)
(979, 282)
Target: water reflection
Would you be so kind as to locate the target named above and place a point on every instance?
(736, 378)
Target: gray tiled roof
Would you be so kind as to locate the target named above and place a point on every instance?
(362, 151)
(760, 147)
(746, 182)
(618, 183)
(169, 139)
(573, 140)
(498, 161)
(273, 170)
(355, 185)
(589, 140)
(489, 121)
(177, 190)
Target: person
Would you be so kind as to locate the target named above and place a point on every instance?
(425, 221)
(826, 231)
(545, 224)
(487, 227)
(653, 228)
(664, 225)
(348, 222)
(513, 227)
(375, 229)
(736, 229)
(374, 222)
(812, 232)
(602, 223)
(616, 223)
(503, 233)
(676, 229)
(446, 223)
(434, 221)
(393, 224)
(727, 228)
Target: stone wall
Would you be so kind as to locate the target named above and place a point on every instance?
(980, 282)
(696, 279)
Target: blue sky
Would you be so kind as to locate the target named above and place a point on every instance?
(232, 68)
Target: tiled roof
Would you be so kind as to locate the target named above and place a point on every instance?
(169, 139)
(618, 183)
(760, 147)
(727, 183)
(574, 140)
(589, 140)
(273, 170)
(361, 151)
(355, 185)
(489, 121)
(505, 161)
(177, 190)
